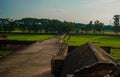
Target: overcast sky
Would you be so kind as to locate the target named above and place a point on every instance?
(81, 11)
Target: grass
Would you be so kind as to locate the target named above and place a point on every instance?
(37, 37)
(115, 53)
(77, 40)
(5, 53)
(112, 41)
(30, 37)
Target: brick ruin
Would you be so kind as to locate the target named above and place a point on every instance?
(87, 60)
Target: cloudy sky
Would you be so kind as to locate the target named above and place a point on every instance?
(81, 11)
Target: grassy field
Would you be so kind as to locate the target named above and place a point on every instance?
(76, 40)
(112, 41)
(37, 37)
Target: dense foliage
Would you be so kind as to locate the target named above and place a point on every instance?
(34, 25)
(116, 27)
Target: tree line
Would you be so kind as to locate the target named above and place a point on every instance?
(34, 25)
(96, 27)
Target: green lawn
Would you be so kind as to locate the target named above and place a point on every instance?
(37, 37)
(4, 53)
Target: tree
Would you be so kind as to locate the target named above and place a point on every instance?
(55, 26)
(1, 25)
(98, 26)
(6, 25)
(68, 26)
(45, 24)
(36, 25)
(88, 27)
(116, 27)
(78, 27)
(31, 25)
